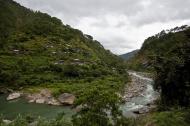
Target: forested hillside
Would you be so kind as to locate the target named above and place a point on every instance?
(167, 55)
(38, 49)
(158, 45)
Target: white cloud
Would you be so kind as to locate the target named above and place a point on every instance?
(120, 25)
(126, 38)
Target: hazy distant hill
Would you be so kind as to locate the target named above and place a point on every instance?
(129, 55)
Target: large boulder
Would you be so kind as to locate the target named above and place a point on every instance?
(14, 95)
(66, 99)
(40, 101)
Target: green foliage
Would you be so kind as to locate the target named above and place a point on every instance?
(25, 121)
(100, 107)
(170, 118)
(173, 74)
(72, 71)
(19, 121)
(165, 118)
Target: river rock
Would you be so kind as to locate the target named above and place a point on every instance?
(31, 101)
(142, 110)
(14, 95)
(53, 101)
(33, 97)
(43, 97)
(35, 123)
(66, 99)
(40, 101)
(45, 93)
(78, 108)
(7, 122)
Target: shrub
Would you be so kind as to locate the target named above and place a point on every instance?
(72, 71)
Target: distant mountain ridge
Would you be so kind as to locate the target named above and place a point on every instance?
(129, 55)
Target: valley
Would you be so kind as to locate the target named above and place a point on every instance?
(52, 74)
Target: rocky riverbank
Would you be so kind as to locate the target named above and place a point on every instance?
(139, 95)
(44, 96)
(134, 88)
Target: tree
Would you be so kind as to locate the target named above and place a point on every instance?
(100, 108)
(173, 76)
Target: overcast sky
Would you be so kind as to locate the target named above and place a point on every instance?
(120, 25)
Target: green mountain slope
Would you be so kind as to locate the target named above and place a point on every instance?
(39, 50)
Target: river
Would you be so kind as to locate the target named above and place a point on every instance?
(10, 109)
(140, 102)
